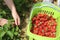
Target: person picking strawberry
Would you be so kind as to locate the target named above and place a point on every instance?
(14, 13)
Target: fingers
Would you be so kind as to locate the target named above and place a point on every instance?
(17, 21)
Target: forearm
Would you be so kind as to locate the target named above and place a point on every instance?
(10, 5)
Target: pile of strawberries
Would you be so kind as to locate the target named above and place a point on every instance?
(44, 25)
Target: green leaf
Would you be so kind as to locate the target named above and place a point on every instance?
(0, 16)
(15, 33)
(17, 28)
(1, 28)
(5, 28)
(6, 25)
(0, 38)
(2, 33)
(12, 30)
(3, 12)
(10, 34)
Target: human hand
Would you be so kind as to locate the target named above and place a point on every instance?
(16, 18)
(3, 21)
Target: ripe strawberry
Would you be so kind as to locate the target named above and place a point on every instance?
(44, 25)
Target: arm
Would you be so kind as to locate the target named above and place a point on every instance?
(11, 6)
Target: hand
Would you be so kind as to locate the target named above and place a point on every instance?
(16, 18)
(3, 21)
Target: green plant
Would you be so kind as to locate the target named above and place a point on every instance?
(9, 32)
(22, 7)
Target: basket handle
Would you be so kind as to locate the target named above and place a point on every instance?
(47, 6)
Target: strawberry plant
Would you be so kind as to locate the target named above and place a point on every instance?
(9, 32)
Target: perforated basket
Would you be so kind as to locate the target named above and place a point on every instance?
(50, 9)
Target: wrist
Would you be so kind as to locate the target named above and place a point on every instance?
(13, 10)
